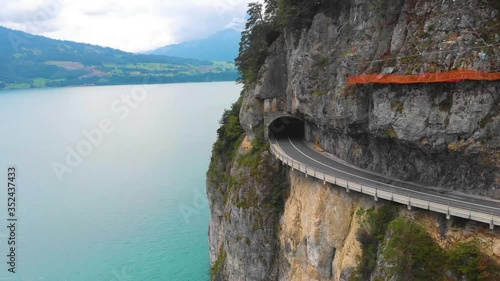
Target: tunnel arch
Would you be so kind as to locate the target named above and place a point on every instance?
(286, 126)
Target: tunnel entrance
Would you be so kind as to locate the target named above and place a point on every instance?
(286, 126)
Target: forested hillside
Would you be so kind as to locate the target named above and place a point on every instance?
(34, 61)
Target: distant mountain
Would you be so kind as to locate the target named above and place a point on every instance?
(222, 46)
(35, 61)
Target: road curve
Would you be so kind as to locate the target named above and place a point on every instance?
(298, 151)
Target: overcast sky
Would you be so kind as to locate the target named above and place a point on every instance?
(129, 25)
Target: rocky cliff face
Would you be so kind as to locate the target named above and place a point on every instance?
(442, 134)
(311, 250)
(318, 237)
(445, 135)
(245, 209)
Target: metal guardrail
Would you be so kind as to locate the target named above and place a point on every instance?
(377, 193)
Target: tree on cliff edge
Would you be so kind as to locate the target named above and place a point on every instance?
(260, 31)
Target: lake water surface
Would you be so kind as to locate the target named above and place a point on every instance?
(110, 181)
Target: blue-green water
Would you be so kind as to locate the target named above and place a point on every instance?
(134, 207)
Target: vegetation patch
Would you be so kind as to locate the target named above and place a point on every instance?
(411, 253)
(319, 94)
(397, 106)
(431, 28)
(39, 82)
(324, 62)
(249, 200)
(487, 119)
(278, 196)
(229, 137)
(18, 86)
(391, 133)
(260, 32)
(411, 63)
(64, 63)
(253, 157)
(446, 104)
(489, 30)
(265, 24)
(262, 170)
(377, 6)
(457, 145)
(371, 235)
(467, 262)
(298, 14)
(218, 264)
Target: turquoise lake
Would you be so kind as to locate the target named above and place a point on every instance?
(110, 181)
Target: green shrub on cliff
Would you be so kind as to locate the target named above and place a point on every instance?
(404, 245)
(229, 136)
(260, 32)
(264, 26)
(411, 253)
(253, 158)
(371, 235)
(467, 262)
(218, 264)
(230, 132)
(296, 13)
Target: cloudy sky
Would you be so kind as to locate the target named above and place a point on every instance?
(130, 25)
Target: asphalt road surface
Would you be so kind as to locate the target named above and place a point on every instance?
(298, 150)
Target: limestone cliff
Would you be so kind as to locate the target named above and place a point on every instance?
(320, 227)
(444, 134)
(270, 224)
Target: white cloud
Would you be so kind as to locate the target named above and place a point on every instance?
(130, 25)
